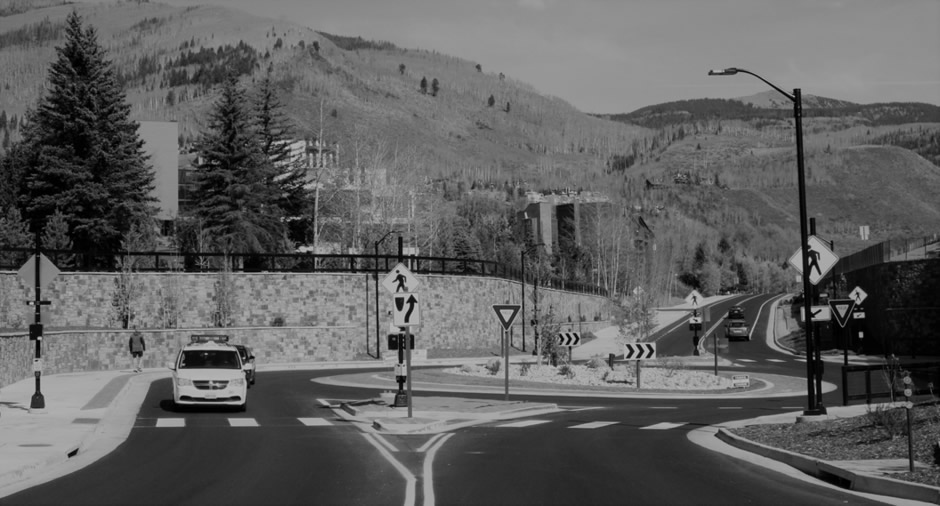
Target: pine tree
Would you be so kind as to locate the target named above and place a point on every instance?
(80, 150)
(435, 87)
(424, 85)
(236, 202)
(285, 173)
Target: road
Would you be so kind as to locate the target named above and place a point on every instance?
(287, 449)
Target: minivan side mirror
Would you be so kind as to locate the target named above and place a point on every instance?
(171, 366)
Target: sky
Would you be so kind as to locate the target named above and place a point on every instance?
(616, 56)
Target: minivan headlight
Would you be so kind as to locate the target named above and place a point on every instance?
(237, 382)
(184, 382)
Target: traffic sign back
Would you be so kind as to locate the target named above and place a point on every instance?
(47, 271)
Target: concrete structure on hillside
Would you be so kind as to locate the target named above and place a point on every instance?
(560, 220)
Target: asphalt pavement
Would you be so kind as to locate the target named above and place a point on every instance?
(87, 415)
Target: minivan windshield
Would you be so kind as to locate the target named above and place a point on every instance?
(209, 359)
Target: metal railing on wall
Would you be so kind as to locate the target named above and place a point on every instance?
(166, 261)
(888, 251)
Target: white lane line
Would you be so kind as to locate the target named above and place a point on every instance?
(410, 479)
(746, 360)
(315, 422)
(775, 360)
(430, 442)
(428, 476)
(730, 407)
(663, 426)
(524, 423)
(323, 403)
(592, 425)
(664, 407)
(171, 422)
(384, 442)
(243, 422)
(589, 408)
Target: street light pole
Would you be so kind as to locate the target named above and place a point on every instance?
(814, 405)
(378, 345)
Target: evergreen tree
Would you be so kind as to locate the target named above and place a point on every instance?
(236, 204)
(435, 87)
(80, 150)
(424, 85)
(285, 173)
(491, 101)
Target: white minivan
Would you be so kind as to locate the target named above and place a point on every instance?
(209, 372)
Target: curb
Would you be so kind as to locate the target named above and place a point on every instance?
(860, 482)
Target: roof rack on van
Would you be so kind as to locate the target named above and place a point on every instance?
(208, 338)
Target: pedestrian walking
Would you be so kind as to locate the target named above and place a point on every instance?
(137, 347)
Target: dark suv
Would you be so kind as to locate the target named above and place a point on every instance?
(736, 313)
(248, 361)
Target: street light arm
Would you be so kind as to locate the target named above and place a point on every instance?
(734, 70)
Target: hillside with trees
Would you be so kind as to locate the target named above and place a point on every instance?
(701, 193)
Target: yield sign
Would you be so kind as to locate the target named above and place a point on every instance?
(858, 295)
(506, 314)
(47, 271)
(821, 259)
(400, 279)
(842, 308)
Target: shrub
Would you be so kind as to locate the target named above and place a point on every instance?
(891, 420)
(468, 368)
(524, 368)
(493, 365)
(278, 321)
(596, 362)
(617, 376)
(567, 370)
(671, 365)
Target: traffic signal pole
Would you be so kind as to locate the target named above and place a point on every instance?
(38, 401)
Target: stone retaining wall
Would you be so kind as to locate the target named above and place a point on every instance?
(321, 317)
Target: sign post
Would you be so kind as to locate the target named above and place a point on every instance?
(406, 313)
(38, 271)
(638, 352)
(506, 313)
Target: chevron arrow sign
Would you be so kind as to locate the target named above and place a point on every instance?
(639, 351)
(569, 338)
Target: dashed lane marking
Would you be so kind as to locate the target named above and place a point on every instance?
(524, 423)
(778, 360)
(243, 422)
(746, 360)
(592, 425)
(315, 422)
(171, 422)
(663, 426)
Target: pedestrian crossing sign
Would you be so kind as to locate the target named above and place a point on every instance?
(821, 259)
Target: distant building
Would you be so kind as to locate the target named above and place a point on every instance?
(560, 220)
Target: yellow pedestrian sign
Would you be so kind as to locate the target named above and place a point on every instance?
(821, 259)
(694, 299)
(858, 295)
(400, 280)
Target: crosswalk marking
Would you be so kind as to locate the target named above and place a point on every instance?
(746, 360)
(775, 360)
(242, 422)
(663, 426)
(592, 425)
(314, 422)
(171, 422)
(524, 423)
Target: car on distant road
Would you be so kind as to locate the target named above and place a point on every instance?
(248, 363)
(737, 329)
(736, 313)
(209, 372)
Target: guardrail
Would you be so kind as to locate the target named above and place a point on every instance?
(857, 381)
(163, 261)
